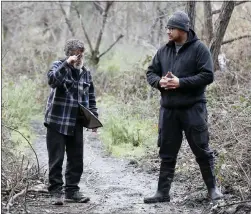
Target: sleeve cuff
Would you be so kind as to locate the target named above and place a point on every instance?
(181, 82)
(156, 85)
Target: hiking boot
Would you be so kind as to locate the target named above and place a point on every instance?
(76, 197)
(57, 198)
(164, 184)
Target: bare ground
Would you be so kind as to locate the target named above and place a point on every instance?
(119, 185)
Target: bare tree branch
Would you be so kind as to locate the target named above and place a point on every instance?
(4, 55)
(119, 37)
(108, 5)
(160, 12)
(83, 27)
(237, 38)
(240, 2)
(98, 7)
(38, 167)
(153, 30)
(216, 11)
(67, 20)
(95, 56)
(236, 4)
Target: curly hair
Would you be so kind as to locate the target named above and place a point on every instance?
(73, 44)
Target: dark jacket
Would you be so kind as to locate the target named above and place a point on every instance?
(193, 66)
(69, 87)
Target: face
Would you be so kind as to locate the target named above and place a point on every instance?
(174, 34)
(80, 61)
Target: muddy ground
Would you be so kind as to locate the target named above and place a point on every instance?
(117, 185)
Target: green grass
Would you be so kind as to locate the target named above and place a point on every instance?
(19, 105)
(128, 128)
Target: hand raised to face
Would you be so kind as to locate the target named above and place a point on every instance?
(72, 59)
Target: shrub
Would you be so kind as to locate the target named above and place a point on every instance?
(20, 104)
(127, 131)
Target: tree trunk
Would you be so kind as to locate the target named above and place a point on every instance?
(160, 15)
(153, 28)
(208, 23)
(220, 29)
(190, 10)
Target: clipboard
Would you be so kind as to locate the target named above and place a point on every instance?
(88, 119)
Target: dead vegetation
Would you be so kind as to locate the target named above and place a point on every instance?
(229, 97)
(21, 176)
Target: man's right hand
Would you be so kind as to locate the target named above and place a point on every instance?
(164, 80)
(72, 59)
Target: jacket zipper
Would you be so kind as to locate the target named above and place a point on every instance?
(175, 59)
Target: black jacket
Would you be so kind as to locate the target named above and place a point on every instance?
(193, 66)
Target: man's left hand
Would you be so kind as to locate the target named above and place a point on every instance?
(173, 82)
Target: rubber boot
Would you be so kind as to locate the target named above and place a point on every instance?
(210, 181)
(164, 184)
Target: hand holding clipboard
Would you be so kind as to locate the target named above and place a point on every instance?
(89, 120)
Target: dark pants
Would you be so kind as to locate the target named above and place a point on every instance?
(193, 121)
(57, 144)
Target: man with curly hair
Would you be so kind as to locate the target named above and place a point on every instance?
(71, 86)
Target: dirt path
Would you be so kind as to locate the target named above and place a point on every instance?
(114, 185)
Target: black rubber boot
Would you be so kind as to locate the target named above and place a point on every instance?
(210, 181)
(165, 179)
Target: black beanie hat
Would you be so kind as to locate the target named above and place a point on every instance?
(179, 20)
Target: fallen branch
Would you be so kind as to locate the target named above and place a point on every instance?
(10, 203)
(119, 37)
(38, 167)
(237, 38)
(21, 193)
(234, 203)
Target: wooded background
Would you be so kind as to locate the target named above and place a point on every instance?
(121, 38)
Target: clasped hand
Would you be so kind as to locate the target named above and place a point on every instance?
(169, 81)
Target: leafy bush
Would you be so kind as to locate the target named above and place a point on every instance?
(20, 104)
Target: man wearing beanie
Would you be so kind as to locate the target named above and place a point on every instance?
(181, 70)
(71, 85)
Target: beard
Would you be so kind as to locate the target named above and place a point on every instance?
(78, 65)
